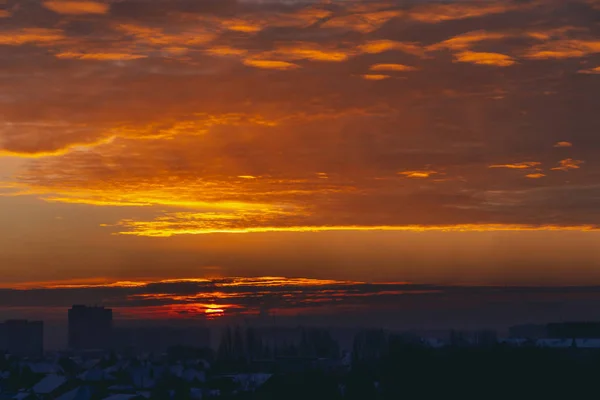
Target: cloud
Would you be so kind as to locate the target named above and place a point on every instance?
(383, 45)
(418, 174)
(536, 175)
(568, 164)
(519, 165)
(270, 64)
(76, 7)
(565, 48)
(563, 144)
(362, 22)
(495, 59)
(375, 77)
(440, 12)
(163, 106)
(31, 35)
(595, 70)
(392, 67)
(467, 40)
(101, 56)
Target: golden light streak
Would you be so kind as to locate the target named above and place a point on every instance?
(520, 165)
(149, 229)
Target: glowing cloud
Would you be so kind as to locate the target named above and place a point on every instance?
(520, 165)
(494, 59)
(568, 164)
(565, 48)
(392, 67)
(381, 46)
(101, 56)
(466, 40)
(270, 64)
(375, 77)
(563, 144)
(434, 13)
(31, 35)
(417, 174)
(76, 7)
(592, 71)
(536, 175)
(364, 23)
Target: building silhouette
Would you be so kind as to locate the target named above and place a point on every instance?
(90, 327)
(22, 338)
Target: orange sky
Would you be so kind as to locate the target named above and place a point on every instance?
(418, 141)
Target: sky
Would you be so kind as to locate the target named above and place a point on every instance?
(347, 143)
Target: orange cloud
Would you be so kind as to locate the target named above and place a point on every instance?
(417, 174)
(31, 35)
(270, 64)
(521, 165)
(375, 77)
(101, 56)
(4, 14)
(535, 175)
(156, 37)
(309, 51)
(364, 23)
(76, 7)
(381, 46)
(495, 59)
(433, 13)
(565, 48)
(563, 144)
(226, 51)
(567, 164)
(392, 67)
(466, 40)
(595, 70)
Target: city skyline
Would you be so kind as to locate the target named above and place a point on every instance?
(346, 148)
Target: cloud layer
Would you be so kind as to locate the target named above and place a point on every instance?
(231, 116)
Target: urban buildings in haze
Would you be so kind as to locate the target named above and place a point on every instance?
(22, 338)
(90, 327)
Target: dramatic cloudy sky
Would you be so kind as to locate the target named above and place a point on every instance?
(427, 142)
